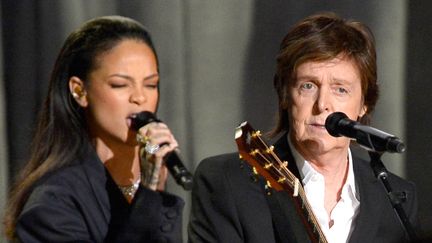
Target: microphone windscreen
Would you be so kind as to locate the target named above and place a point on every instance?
(143, 118)
(332, 123)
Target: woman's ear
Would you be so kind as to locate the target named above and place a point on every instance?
(76, 88)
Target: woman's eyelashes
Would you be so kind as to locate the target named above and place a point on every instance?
(118, 85)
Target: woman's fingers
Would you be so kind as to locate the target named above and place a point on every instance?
(157, 142)
(158, 134)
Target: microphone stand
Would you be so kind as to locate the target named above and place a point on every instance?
(396, 198)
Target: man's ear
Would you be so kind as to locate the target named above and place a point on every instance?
(363, 111)
(77, 90)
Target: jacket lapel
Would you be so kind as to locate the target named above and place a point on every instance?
(288, 226)
(97, 177)
(367, 220)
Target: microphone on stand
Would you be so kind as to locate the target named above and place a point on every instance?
(376, 141)
(172, 161)
(338, 124)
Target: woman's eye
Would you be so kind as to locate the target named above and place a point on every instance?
(118, 85)
(151, 86)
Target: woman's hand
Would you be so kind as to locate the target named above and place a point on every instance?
(156, 141)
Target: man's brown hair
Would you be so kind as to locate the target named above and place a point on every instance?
(322, 37)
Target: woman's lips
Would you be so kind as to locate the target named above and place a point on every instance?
(129, 119)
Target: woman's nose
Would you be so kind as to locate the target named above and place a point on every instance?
(138, 97)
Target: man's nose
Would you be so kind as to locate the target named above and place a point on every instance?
(323, 100)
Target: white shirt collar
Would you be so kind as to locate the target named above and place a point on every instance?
(307, 172)
(346, 209)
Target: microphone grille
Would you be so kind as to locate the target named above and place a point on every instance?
(332, 123)
(142, 119)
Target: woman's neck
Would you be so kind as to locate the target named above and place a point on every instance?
(122, 161)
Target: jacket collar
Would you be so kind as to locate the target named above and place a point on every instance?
(367, 221)
(283, 151)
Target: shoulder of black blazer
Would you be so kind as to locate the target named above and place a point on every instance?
(373, 201)
(152, 215)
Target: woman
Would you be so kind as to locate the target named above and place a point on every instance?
(83, 180)
(325, 64)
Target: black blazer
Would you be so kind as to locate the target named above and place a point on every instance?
(81, 203)
(227, 206)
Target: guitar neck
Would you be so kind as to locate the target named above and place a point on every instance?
(308, 217)
(266, 163)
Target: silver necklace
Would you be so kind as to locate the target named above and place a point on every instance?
(129, 191)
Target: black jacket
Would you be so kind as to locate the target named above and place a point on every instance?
(81, 203)
(227, 206)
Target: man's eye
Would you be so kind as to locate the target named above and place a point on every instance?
(307, 86)
(342, 90)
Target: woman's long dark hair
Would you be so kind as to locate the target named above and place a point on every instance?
(61, 135)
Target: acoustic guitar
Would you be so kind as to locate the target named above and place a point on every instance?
(254, 150)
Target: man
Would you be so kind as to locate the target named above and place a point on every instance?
(325, 64)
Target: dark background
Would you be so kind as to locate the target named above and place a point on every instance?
(217, 63)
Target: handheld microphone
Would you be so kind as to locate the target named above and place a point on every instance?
(172, 161)
(338, 124)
